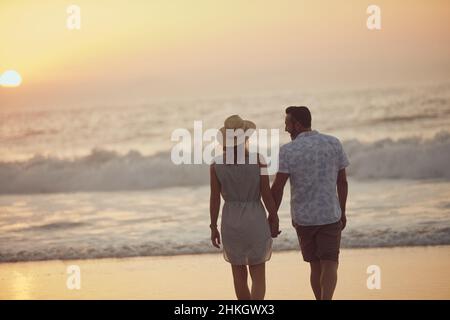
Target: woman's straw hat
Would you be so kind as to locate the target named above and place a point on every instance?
(234, 123)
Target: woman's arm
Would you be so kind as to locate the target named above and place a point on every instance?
(268, 200)
(267, 197)
(214, 206)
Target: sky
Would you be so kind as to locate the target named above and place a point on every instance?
(144, 49)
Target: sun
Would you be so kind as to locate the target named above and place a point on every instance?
(10, 78)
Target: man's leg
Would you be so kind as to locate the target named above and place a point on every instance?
(328, 278)
(328, 243)
(315, 279)
(306, 238)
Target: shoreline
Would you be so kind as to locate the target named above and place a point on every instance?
(211, 253)
(208, 276)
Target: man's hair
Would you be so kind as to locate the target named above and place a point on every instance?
(301, 114)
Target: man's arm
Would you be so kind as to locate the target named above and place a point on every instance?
(278, 187)
(342, 190)
(277, 195)
(269, 202)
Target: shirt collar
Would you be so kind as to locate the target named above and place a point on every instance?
(307, 134)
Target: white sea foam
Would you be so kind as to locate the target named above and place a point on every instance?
(104, 170)
(411, 158)
(413, 236)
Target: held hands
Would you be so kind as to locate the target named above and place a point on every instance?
(274, 225)
(215, 237)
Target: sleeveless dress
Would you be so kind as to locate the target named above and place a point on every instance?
(246, 237)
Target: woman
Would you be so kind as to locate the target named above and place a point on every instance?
(246, 231)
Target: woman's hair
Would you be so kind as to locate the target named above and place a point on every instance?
(235, 151)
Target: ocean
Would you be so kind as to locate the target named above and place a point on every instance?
(97, 181)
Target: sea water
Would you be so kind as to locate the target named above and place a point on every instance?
(98, 181)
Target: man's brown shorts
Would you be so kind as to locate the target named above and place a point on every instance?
(320, 242)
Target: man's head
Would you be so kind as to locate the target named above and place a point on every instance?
(298, 120)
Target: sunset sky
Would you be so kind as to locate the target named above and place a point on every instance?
(156, 48)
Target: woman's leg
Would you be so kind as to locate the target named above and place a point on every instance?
(240, 282)
(258, 274)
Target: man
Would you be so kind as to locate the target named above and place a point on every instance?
(315, 165)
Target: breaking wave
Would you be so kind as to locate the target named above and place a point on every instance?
(105, 170)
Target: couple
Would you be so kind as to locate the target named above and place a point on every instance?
(315, 165)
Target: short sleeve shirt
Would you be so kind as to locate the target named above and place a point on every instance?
(313, 161)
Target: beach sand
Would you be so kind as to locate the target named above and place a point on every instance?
(406, 273)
